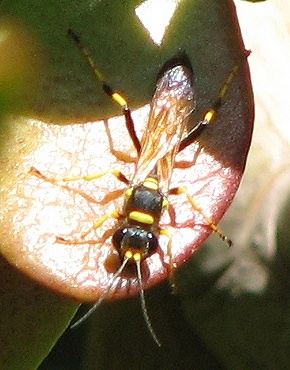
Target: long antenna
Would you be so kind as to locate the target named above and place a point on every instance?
(143, 304)
(102, 297)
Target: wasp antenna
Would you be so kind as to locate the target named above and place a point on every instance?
(143, 304)
(102, 297)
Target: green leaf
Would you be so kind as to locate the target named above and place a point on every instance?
(32, 319)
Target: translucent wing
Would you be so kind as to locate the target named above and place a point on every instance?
(171, 105)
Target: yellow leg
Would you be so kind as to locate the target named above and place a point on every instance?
(118, 98)
(118, 174)
(169, 266)
(114, 95)
(115, 214)
(169, 236)
(121, 156)
(211, 223)
(211, 114)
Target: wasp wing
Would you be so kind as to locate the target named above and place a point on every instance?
(171, 105)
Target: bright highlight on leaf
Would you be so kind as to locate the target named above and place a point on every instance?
(155, 15)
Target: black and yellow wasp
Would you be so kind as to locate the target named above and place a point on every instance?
(137, 235)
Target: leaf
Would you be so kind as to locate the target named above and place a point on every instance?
(32, 319)
(35, 212)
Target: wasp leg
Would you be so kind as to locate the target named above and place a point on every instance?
(111, 196)
(118, 174)
(114, 95)
(115, 214)
(211, 114)
(210, 222)
(122, 156)
(169, 265)
(188, 164)
(167, 233)
(33, 171)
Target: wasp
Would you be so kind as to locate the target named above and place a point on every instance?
(137, 234)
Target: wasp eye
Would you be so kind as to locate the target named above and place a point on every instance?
(152, 243)
(118, 237)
